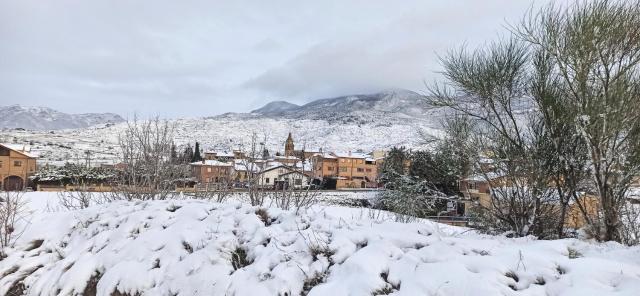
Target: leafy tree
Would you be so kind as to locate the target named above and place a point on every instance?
(588, 61)
(554, 107)
(394, 164)
(436, 169)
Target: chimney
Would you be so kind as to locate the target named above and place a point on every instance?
(203, 161)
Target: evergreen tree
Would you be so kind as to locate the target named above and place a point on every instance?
(435, 168)
(196, 153)
(394, 164)
(187, 155)
(174, 154)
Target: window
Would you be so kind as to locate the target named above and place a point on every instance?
(298, 181)
(17, 163)
(208, 170)
(328, 168)
(266, 180)
(343, 169)
(369, 170)
(360, 170)
(0, 164)
(472, 185)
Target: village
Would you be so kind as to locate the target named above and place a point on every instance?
(292, 169)
(296, 169)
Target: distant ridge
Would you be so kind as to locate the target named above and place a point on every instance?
(43, 118)
(276, 107)
(389, 104)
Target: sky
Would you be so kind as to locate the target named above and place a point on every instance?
(202, 58)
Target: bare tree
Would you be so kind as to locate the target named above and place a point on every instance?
(218, 192)
(146, 170)
(296, 194)
(12, 210)
(253, 163)
(80, 199)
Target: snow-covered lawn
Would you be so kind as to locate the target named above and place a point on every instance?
(192, 247)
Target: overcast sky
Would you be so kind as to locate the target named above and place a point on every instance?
(198, 58)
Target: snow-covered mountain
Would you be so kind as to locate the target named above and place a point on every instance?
(349, 123)
(43, 118)
(275, 108)
(396, 104)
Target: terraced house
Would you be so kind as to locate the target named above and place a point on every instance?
(16, 166)
(348, 170)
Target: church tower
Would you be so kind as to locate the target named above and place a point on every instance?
(288, 147)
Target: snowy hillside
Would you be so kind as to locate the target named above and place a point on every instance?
(192, 247)
(372, 122)
(276, 108)
(42, 118)
(388, 105)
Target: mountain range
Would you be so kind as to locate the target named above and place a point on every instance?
(348, 123)
(43, 118)
(391, 104)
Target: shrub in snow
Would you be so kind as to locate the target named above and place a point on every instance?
(410, 198)
(195, 247)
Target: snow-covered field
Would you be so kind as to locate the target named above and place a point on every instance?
(194, 247)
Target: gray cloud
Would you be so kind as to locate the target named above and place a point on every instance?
(194, 58)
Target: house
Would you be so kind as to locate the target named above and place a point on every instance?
(16, 166)
(212, 171)
(348, 170)
(282, 177)
(243, 168)
(477, 188)
(219, 155)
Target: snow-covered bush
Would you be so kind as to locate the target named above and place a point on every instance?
(72, 174)
(410, 198)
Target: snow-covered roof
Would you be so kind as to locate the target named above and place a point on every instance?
(246, 165)
(221, 153)
(324, 155)
(358, 155)
(295, 172)
(212, 163)
(20, 148)
(286, 157)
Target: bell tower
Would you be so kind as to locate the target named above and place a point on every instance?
(288, 146)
